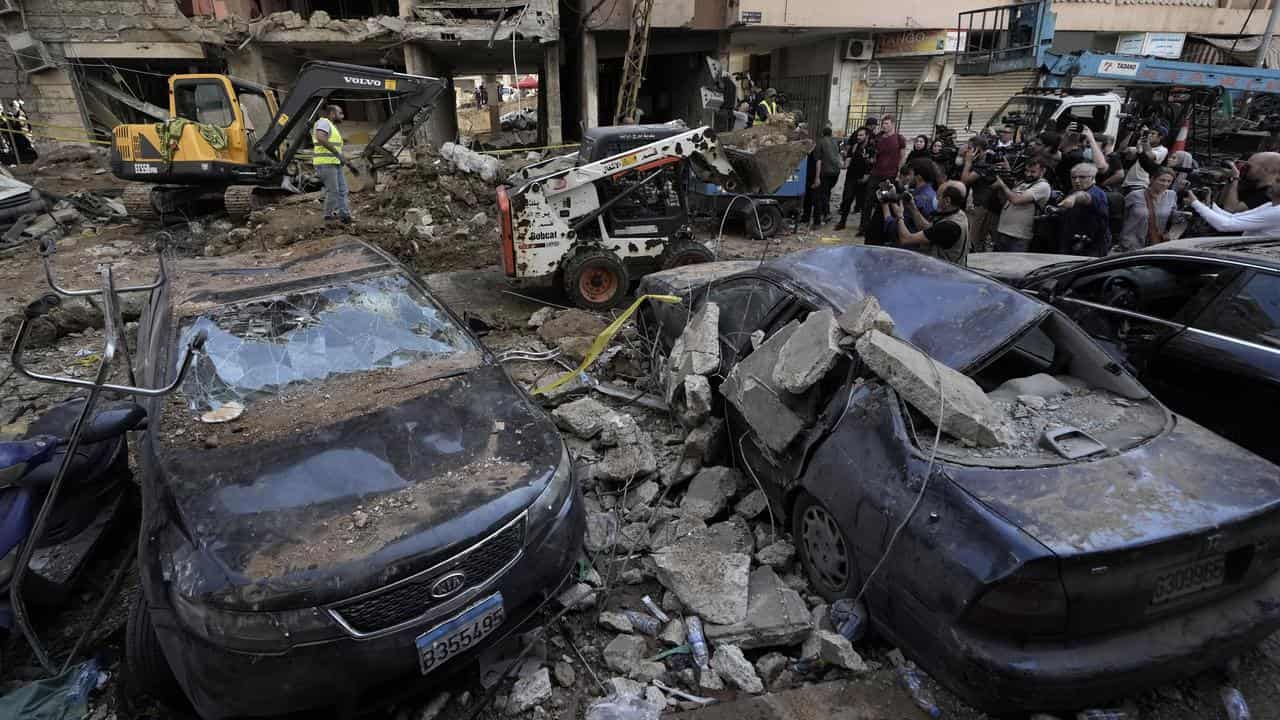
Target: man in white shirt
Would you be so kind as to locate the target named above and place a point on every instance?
(1017, 221)
(1262, 220)
(1152, 149)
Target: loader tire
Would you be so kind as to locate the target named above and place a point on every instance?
(770, 222)
(596, 280)
(684, 252)
(146, 668)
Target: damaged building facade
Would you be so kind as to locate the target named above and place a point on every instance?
(84, 66)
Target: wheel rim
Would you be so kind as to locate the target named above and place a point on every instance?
(597, 284)
(824, 548)
(767, 223)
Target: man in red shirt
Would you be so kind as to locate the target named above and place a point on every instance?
(889, 147)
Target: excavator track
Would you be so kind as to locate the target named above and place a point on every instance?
(240, 200)
(138, 201)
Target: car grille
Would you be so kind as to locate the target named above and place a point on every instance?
(16, 201)
(411, 598)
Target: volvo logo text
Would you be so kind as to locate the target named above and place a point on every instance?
(448, 585)
(362, 81)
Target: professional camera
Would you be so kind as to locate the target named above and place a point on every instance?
(891, 191)
(990, 164)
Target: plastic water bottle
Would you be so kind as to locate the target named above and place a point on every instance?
(1233, 702)
(697, 641)
(911, 680)
(1103, 714)
(849, 618)
(657, 611)
(642, 623)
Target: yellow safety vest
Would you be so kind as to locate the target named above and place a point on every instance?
(321, 154)
(770, 105)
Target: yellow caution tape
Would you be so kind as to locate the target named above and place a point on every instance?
(602, 341)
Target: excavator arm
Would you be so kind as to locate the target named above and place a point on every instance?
(319, 80)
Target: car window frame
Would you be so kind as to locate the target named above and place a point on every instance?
(1217, 307)
(1185, 318)
(766, 321)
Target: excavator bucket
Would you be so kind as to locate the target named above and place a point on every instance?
(765, 156)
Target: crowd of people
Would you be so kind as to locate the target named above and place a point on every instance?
(1070, 192)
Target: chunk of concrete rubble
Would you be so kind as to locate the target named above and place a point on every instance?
(752, 505)
(674, 529)
(540, 317)
(1035, 402)
(749, 388)
(530, 691)
(624, 653)
(624, 686)
(640, 496)
(570, 323)
(701, 341)
(710, 584)
(1041, 385)
(809, 354)
(708, 493)
(777, 555)
(968, 413)
(655, 696)
(776, 616)
(863, 316)
(673, 633)
(433, 708)
(822, 618)
(671, 603)
(648, 670)
(729, 662)
(579, 597)
(770, 666)
(583, 417)
(564, 674)
(697, 400)
(575, 348)
(704, 445)
(621, 464)
(602, 532)
(633, 537)
(709, 679)
(620, 429)
(615, 621)
(834, 649)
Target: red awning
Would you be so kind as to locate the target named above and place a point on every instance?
(527, 82)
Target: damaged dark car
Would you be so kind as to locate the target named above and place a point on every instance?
(348, 491)
(1028, 523)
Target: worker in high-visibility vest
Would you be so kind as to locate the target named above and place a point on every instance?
(328, 161)
(768, 106)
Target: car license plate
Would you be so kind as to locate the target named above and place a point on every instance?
(460, 634)
(1189, 578)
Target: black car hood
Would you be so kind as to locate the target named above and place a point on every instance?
(273, 524)
(955, 315)
(1180, 483)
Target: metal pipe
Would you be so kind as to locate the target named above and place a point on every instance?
(1266, 34)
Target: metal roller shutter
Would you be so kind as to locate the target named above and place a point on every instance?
(1099, 84)
(894, 92)
(982, 96)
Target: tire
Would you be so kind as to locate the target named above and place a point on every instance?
(770, 221)
(826, 555)
(596, 280)
(146, 669)
(684, 252)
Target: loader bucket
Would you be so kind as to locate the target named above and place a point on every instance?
(767, 168)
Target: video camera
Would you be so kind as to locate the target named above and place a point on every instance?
(891, 191)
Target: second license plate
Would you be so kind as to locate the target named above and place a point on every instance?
(1189, 578)
(460, 634)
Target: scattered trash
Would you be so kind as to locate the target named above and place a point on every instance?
(1234, 704)
(642, 623)
(697, 641)
(657, 611)
(62, 697)
(623, 707)
(913, 681)
(1104, 714)
(682, 694)
(228, 412)
(849, 618)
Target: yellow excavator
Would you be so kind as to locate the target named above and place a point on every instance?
(230, 143)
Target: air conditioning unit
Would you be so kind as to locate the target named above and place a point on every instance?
(859, 47)
(32, 55)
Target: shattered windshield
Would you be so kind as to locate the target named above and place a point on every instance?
(1031, 113)
(258, 348)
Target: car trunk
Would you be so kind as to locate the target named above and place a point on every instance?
(1179, 521)
(327, 510)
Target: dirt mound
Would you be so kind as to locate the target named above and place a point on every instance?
(442, 220)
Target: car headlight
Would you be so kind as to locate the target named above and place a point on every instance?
(545, 509)
(255, 632)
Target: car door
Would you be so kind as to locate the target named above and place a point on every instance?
(1231, 360)
(1134, 307)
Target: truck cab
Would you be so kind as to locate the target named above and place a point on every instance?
(1038, 112)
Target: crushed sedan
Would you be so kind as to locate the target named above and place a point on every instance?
(347, 487)
(1022, 517)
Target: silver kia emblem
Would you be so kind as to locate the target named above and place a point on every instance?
(448, 585)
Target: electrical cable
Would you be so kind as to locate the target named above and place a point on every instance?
(1247, 18)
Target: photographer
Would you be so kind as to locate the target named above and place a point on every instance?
(915, 180)
(1017, 220)
(1086, 227)
(946, 237)
(889, 146)
(1261, 173)
(984, 212)
(1074, 152)
(1261, 220)
(857, 151)
(1149, 154)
